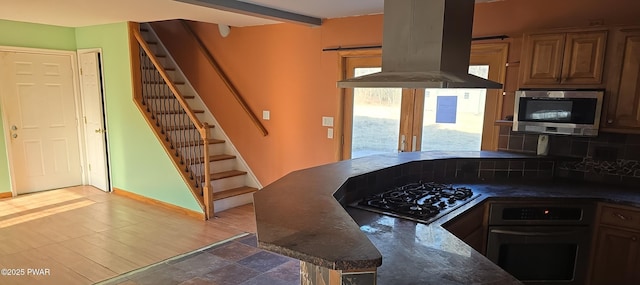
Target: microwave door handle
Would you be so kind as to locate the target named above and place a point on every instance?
(520, 233)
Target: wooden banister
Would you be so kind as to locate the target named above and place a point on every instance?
(183, 103)
(206, 184)
(175, 131)
(225, 79)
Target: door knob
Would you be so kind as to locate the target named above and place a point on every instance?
(15, 136)
(14, 128)
(99, 131)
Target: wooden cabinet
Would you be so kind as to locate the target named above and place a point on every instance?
(622, 101)
(616, 258)
(543, 59)
(471, 227)
(564, 59)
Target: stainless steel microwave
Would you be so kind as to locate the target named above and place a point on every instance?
(566, 112)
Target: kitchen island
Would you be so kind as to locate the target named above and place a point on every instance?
(305, 215)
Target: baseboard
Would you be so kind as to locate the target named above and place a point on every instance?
(6, 195)
(147, 200)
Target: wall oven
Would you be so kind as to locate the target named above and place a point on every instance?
(543, 243)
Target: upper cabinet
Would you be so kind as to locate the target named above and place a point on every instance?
(567, 59)
(622, 111)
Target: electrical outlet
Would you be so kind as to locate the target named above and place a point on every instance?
(330, 133)
(266, 115)
(327, 121)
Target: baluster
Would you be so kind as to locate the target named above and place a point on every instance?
(163, 108)
(143, 74)
(178, 141)
(192, 150)
(204, 150)
(196, 154)
(206, 193)
(183, 138)
(195, 166)
(185, 121)
(190, 144)
(192, 158)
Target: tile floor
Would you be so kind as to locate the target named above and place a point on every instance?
(236, 262)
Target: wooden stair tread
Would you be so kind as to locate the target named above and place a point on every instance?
(168, 97)
(162, 82)
(185, 127)
(198, 142)
(174, 112)
(233, 192)
(227, 174)
(153, 68)
(224, 174)
(220, 157)
(212, 158)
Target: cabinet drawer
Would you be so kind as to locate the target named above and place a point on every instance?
(620, 217)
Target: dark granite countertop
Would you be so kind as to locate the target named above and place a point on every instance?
(299, 216)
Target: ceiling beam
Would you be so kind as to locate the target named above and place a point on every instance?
(256, 11)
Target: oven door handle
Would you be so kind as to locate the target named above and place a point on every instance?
(521, 233)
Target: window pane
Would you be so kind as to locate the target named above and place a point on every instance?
(376, 118)
(453, 118)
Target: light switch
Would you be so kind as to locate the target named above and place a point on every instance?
(330, 133)
(266, 115)
(327, 121)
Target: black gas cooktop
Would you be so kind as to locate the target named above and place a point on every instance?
(421, 202)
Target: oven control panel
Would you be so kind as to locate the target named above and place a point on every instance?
(542, 213)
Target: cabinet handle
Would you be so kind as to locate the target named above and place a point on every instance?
(621, 216)
(609, 121)
(634, 238)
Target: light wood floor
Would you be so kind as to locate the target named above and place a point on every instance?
(83, 235)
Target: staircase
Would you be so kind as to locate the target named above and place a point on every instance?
(210, 165)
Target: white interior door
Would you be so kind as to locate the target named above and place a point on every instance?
(38, 98)
(95, 130)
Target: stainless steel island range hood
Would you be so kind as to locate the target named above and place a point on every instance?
(426, 44)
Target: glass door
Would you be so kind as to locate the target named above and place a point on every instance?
(387, 120)
(453, 118)
(374, 114)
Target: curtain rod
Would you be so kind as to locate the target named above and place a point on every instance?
(500, 37)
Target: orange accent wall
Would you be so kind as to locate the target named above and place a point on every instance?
(281, 68)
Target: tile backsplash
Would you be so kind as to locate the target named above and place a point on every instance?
(462, 170)
(517, 142)
(609, 158)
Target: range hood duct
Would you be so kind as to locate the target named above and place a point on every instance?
(425, 44)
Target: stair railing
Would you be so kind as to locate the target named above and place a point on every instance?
(225, 79)
(177, 125)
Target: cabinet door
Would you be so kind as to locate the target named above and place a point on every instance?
(623, 101)
(584, 58)
(543, 59)
(616, 256)
(470, 227)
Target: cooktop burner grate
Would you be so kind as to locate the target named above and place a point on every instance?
(421, 202)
